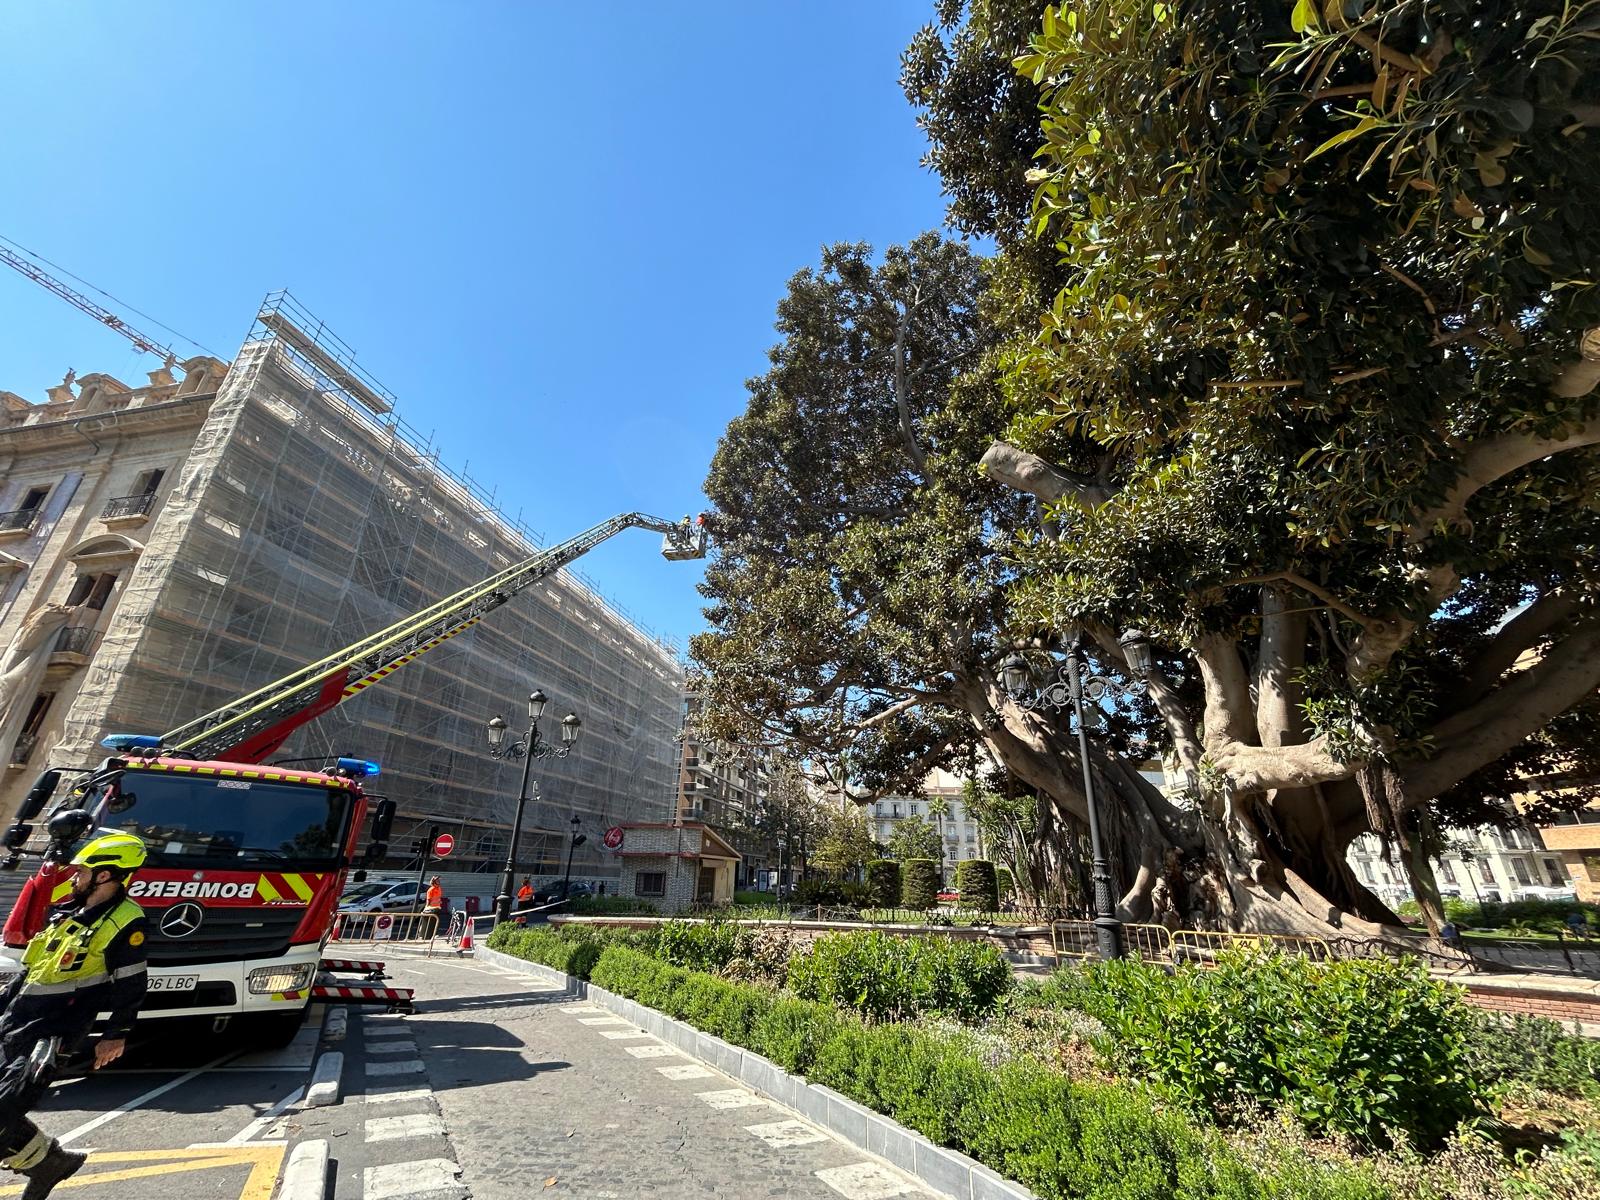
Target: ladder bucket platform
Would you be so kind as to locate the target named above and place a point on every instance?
(338, 993)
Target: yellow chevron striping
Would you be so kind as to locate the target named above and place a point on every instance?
(265, 889)
(298, 883)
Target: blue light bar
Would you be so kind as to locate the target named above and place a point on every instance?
(131, 741)
(357, 766)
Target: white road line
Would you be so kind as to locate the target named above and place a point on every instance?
(780, 1134)
(426, 1175)
(107, 1117)
(602, 1021)
(687, 1071)
(386, 1129)
(585, 1008)
(395, 1047)
(405, 1067)
(732, 1098)
(267, 1118)
(866, 1181)
(392, 1029)
(622, 1035)
(656, 1051)
(397, 1095)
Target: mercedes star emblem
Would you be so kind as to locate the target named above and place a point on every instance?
(182, 919)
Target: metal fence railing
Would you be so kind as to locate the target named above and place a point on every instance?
(1079, 940)
(374, 928)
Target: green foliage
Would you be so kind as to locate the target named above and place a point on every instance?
(701, 945)
(884, 977)
(1357, 1047)
(1005, 885)
(611, 906)
(1541, 916)
(847, 844)
(1536, 1053)
(572, 950)
(915, 838)
(978, 885)
(883, 882)
(919, 883)
(1064, 1139)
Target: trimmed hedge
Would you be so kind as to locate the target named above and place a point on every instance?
(1356, 1046)
(1005, 884)
(888, 978)
(883, 882)
(920, 883)
(1060, 1137)
(975, 880)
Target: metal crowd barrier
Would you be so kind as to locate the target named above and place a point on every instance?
(1078, 939)
(376, 928)
(1203, 945)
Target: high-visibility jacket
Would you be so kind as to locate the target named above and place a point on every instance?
(435, 897)
(525, 892)
(86, 961)
(70, 955)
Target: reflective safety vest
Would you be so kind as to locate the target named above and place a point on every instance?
(70, 956)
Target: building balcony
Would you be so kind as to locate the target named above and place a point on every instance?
(18, 523)
(75, 646)
(23, 750)
(127, 511)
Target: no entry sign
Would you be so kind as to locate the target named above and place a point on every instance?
(443, 846)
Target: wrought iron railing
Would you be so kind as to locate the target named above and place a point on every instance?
(127, 506)
(18, 519)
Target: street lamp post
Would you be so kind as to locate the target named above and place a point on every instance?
(577, 840)
(1067, 689)
(781, 844)
(527, 749)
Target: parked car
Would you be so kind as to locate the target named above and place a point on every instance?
(381, 897)
(559, 891)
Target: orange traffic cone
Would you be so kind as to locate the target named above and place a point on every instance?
(466, 938)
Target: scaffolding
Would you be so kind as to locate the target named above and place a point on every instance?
(309, 514)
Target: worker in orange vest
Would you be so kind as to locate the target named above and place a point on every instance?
(435, 901)
(525, 893)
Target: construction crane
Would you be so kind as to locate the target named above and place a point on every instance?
(78, 300)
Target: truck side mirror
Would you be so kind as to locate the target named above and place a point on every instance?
(66, 827)
(358, 876)
(382, 820)
(39, 795)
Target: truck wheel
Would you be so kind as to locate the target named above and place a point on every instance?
(273, 1031)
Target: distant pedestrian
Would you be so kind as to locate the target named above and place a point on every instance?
(1578, 924)
(525, 893)
(1450, 935)
(435, 901)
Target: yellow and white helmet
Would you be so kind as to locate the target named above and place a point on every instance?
(118, 851)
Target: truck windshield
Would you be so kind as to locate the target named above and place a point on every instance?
(183, 819)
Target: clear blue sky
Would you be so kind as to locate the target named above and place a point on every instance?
(558, 231)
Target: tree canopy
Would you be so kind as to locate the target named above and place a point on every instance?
(1310, 399)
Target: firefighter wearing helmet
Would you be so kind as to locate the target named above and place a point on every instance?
(89, 959)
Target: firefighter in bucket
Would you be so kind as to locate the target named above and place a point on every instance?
(89, 959)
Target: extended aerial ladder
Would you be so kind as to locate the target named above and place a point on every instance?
(253, 727)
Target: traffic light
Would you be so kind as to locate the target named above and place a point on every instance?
(418, 846)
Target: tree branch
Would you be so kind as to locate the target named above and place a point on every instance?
(1024, 472)
(1185, 741)
(1515, 636)
(1311, 589)
(1500, 721)
(1283, 654)
(901, 400)
(1580, 377)
(1496, 457)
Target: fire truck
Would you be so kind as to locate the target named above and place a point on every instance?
(247, 859)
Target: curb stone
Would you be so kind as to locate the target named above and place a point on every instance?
(306, 1176)
(942, 1169)
(324, 1086)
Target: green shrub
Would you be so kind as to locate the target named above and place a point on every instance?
(975, 880)
(754, 899)
(828, 892)
(611, 906)
(1061, 1138)
(920, 883)
(1005, 885)
(883, 882)
(884, 977)
(700, 945)
(1535, 1053)
(1354, 1047)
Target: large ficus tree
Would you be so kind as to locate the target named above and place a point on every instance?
(1317, 406)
